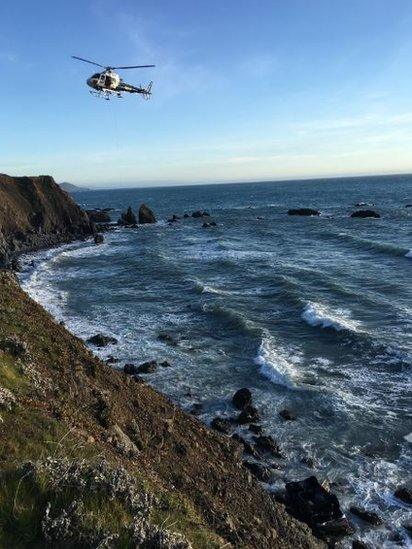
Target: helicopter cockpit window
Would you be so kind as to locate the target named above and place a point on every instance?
(96, 75)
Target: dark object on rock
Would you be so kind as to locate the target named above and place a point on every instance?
(303, 211)
(365, 213)
(99, 239)
(261, 472)
(167, 338)
(147, 367)
(408, 206)
(255, 428)
(98, 216)
(366, 516)
(242, 398)
(222, 425)
(186, 215)
(206, 225)
(128, 217)
(198, 213)
(196, 409)
(100, 340)
(266, 443)
(146, 215)
(260, 218)
(309, 502)
(130, 369)
(404, 494)
(213, 224)
(249, 414)
(287, 415)
(165, 364)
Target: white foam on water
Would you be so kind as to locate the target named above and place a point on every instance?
(276, 363)
(408, 438)
(316, 314)
(409, 254)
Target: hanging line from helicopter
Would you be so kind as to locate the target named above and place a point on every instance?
(107, 83)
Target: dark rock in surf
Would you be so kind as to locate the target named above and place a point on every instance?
(100, 340)
(146, 215)
(147, 367)
(112, 360)
(303, 211)
(365, 213)
(408, 206)
(287, 415)
(167, 338)
(99, 239)
(222, 425)
(267, 444)
(404, 494)
(366, 516)
(248, 415)
(196, 409)
(310, 502)
(247, 447)
(213, 224)
(261, 472)
(98, 216)
(128, 218)
(130, 369)
(186, 215)
(165, 364)
(196, 214)
(206, 225)
(242, 398)
(255, 428)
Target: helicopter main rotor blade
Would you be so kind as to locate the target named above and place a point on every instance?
(87, 61)
(135, 67)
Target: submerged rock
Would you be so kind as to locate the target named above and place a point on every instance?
(222, 425)
(247, 447)
(242, 398)
(99, 239)
(404, 494)
(147, 367)
(303, 211)
(365, 213)
(366, 516)
(167, 338)
(196, 409)
(255, 428)
(287, 415)
(146, 215)
(130, 369)
(101, 340)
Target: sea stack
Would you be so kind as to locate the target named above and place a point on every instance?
(146, 215)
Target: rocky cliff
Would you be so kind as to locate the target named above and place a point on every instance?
(35, 213)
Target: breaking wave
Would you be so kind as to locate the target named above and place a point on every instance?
(316, 314)
(276, 363)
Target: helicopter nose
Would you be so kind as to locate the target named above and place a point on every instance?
(89, 82)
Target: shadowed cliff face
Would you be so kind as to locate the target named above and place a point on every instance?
(35, 213)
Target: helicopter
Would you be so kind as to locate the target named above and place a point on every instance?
(108, 83)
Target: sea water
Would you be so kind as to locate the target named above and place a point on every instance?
(313, 314)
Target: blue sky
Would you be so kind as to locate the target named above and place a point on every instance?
(243, 90)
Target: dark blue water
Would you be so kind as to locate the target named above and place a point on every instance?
(312, 314)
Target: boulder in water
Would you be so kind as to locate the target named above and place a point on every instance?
(147, 367)
(167, 338)
(242, 398)
(267, 444)
(303, 211)
(365, 213)
(101, 340)
(128, 217)
(99, 239)
(130, 369)
(287, 415)
(310, 502)
(366, 516)
(146, 215)
(98, 216)
(249, 414)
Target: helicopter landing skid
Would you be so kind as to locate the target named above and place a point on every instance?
(106, 94)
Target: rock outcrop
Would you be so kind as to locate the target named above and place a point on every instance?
(98, 216)
(303, 211)
(146, 215)
(36, 213)
(365, 213)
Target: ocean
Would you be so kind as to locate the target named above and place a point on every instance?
(312, 314)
